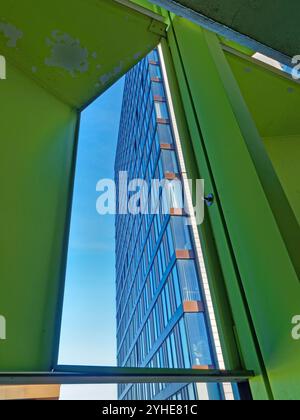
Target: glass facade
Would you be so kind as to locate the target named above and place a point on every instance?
(161, 310)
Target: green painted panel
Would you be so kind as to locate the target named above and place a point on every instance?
(284, 152)
(273, 99)
(76, 48)
(268, 280)
(60, 55)
(37, 142)
(215, 241)
(212, 260)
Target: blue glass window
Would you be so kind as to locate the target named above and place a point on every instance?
(168, 300)
(181, 233)
(153, 56)
(170, 356)
(158, 89)
(155, 71)
(176, 287)
(161, 110)
(169, 161)
(174, 350)
(198, 338)
(184, 344)
(170, 240)
(164, 133)
(165, 312)
(188, 280)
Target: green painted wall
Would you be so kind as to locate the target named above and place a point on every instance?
(61, 57)
(37, 142)
(272, 97)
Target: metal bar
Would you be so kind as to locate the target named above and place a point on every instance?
(140, 9)
(115, 375)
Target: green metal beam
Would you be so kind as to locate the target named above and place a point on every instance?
(216, 244)
(111, 375)
(256, 255)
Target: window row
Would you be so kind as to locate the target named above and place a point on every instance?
(145, 298)
(176, 237)
(173, 353)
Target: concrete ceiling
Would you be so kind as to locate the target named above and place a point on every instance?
(268, 26)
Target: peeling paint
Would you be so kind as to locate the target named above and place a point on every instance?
(118, 69)
(106, 78)
(12, 33)
(137, 56)
(67, 53)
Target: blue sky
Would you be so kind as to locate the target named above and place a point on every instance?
(88, 328)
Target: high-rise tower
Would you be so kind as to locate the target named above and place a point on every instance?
(164, 311)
